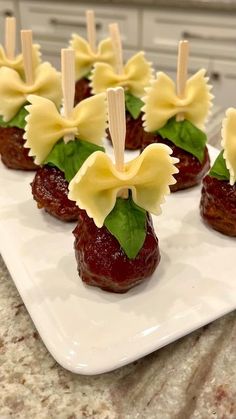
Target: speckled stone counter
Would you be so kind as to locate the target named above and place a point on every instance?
(194, 377)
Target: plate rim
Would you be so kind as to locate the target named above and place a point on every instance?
(17, 270)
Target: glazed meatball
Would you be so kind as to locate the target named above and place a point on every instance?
(135, 134)
(82, 90)
(13, 153)
(218, 205)
(102, 262)
(191, 170)
(50, 191)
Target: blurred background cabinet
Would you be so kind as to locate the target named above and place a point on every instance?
(52, 26)
(156, 30)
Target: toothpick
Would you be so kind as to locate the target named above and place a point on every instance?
(117, 127)
(117, 123)
(10, 37)
(68, 84)
(117, 46)
(182, 72)
(91, 30)
(26, 45)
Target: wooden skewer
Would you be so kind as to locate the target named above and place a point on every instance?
(182, 72)
(91, 29)
(68, 84)
(26, 45)
(117, 46)
(117, 127)
(10, 37)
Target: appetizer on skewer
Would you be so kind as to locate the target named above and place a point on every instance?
(115, 244)
(176, 116)
(61, 143)
(43, 80)
(87, 53)
(134, 77)
(218, 199)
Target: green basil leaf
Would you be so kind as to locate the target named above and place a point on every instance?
(219, 169)
(127, 222)
(69, 157)
(133, 104)
(186, 136)
(17, 121)
(88, 75)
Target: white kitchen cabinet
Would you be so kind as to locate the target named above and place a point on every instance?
(53, 23)
(210, 34)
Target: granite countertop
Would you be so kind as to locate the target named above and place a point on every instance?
(194, 377)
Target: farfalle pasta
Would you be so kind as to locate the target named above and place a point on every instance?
(85, 58)
(14, 90)
(8, 56)
(148, 177)
(229, 143)
(162, 102)
(17, 63)
(179, 121)
(61, 145)
(134, 78)
(46, 126)
(218, 197)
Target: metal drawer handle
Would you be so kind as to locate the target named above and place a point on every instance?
(201, 37)
(7, 13)
(214, 75)
(58, 22)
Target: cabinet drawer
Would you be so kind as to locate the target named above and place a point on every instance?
(55, 22)
(210, 34)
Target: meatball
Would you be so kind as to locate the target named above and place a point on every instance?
(102, 262)
(218, 205)
(191, 170)
(135, 134)
(50, 190)
(82, 90)
(13, 153)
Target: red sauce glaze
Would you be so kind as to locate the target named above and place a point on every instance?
(13, 153)
(135, 134)
(191, 170)
(50, 190)
(102, 263)
(218, 205)
(82, 90)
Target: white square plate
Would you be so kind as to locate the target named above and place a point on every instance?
(89, 331)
